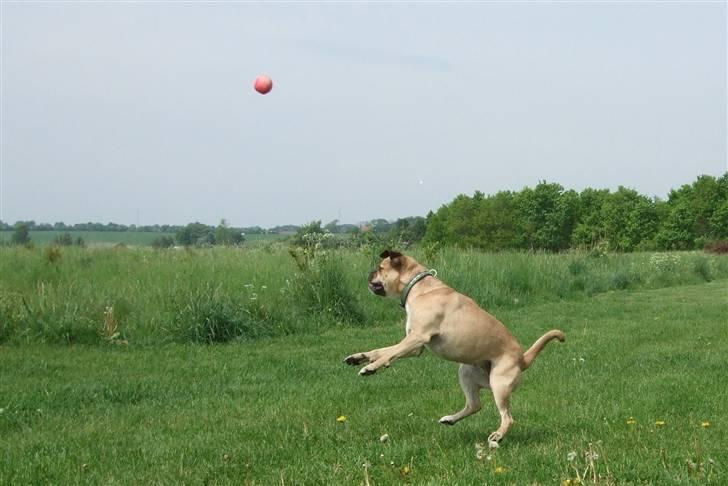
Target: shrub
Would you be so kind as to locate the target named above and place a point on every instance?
(63, 240)
(320, 287)
(208, 315)
(719, 247)
(701, 267)
(163, 242)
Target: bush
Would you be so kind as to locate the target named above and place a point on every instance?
(718, 247)
(701, 267)
(163, 242)
(63, 240)
(208, 315)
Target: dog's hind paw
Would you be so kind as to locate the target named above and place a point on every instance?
(493, 440)
(448, 420)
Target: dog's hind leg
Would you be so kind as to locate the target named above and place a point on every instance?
(472, 379)
(503, 381)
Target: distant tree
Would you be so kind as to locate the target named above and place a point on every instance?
(312, 228)
(436, 223)
(407, 230)
(590, 230)
(196, 234)
(500, 223)
(163, 242)
(21, 236)
(677, 230)
(628, 218)
(64, 239)
(379, 225)
(224, 235)
(549, 216)
(332, 226)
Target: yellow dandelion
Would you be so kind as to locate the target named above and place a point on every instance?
(341, 419)
(405, 470)
(500, 470)
(631, 421)
(659, 423)
(705, 424)
(566, 482)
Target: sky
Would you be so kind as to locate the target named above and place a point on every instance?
(145, 112)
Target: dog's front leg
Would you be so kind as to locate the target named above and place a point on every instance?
(411, 345)
(375, 354)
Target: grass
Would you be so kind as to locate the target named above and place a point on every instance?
(50, 295)
(130, 238)
(108, 238)
(266, 412)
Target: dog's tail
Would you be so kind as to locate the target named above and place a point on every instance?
(540, 343)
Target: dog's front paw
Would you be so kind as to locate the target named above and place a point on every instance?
(367, 370)
(355, 359)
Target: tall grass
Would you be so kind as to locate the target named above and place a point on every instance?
(224, 294)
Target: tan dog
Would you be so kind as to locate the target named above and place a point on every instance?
(455, 328)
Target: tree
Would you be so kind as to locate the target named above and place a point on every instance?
(196, 234)
(628, 218)
(549, 216)
(410, 230)
(21, 236)
(590, 230)
(64, 239)
(224, 235)
(498, 222)
(163, 242)
(677, 231)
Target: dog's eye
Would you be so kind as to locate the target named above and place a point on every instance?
(381, 268)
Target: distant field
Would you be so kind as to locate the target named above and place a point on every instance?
(114, 237)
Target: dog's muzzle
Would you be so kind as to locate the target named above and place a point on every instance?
(377, 288)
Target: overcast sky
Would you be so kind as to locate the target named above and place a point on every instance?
(145, 112)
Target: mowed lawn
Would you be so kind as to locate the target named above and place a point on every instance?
(637, 395)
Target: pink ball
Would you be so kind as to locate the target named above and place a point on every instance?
(263, 84)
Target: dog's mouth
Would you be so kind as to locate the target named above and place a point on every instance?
(377, 288)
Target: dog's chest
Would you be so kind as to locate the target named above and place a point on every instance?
(407, 325)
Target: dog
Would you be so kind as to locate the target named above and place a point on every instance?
(455, 328)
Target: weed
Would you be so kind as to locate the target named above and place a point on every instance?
(701, 267)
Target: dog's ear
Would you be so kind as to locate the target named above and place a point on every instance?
(395, 258)
(384, 254)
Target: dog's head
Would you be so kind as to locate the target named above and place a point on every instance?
(394, 269)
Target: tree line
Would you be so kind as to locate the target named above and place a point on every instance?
(548, 217)
(545, 217)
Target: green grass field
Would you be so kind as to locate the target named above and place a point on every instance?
(266, 413)
(636, 395)
(110, 238)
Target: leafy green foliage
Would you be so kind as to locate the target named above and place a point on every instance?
(163, 242)
(550, 218)
(21, 236)
(196, 234)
